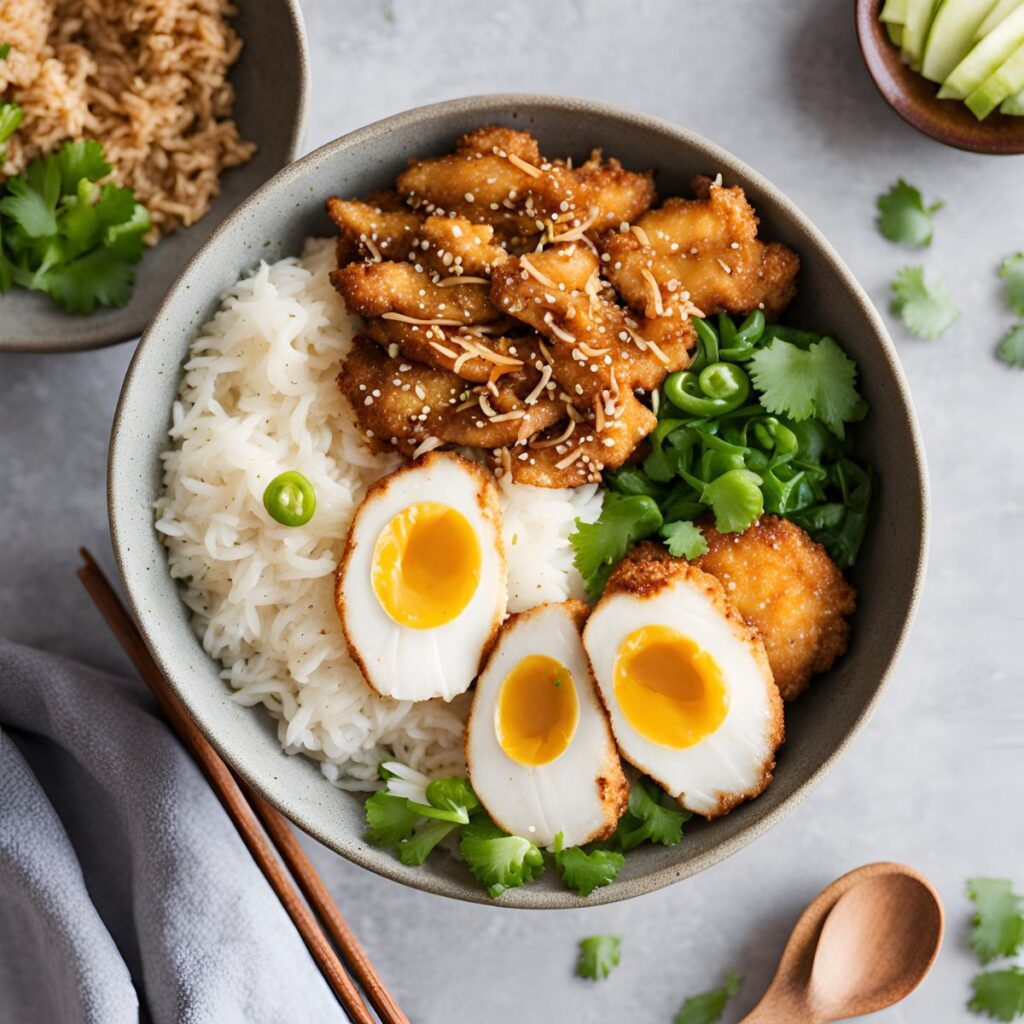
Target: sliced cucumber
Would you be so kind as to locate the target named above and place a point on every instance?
(1005, 82)
(915, 30)
(952, 36)
(999, 12)
(894, 12)
(895, 33)
(1013, 104)
(985, 58)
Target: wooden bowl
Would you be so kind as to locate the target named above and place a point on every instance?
(914, 97)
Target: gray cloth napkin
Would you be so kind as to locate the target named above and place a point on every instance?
(125, 892)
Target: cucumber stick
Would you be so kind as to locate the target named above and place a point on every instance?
(915, 30)
(952, 36)
(894, 32)
(985, 58)
(894, 12)
(1005, 82)
(1013, 104)
(999, 13)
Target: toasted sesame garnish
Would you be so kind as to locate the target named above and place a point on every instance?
(656, 303)
(536, 274)
(518, 161)
(641, 235)
(551, 442)
(569, 459)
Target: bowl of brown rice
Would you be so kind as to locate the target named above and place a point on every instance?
(176, 93)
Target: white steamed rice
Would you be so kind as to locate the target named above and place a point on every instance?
(258, 397)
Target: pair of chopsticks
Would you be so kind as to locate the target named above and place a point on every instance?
(256, 820)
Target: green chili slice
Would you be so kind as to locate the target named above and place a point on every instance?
(290, 499)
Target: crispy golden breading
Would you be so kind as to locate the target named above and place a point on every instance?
(456, 247)
(787, 587)
(371, 232)
(378, 289)
(607, 194)
(399, 405)
(702, 251)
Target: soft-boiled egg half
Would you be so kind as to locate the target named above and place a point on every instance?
(686, 682)
(421, 586)
(539, 751)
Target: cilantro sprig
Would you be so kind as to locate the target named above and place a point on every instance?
(927, 309)
(708, 1007)
(599, 956)
(998, 994)
(64, 233)
(998, 918)
(758, 423)
(1011, 270)
(903, 216)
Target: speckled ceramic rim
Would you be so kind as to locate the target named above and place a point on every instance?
(123, 483)
(85, 336)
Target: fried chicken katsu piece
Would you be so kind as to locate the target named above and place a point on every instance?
(456, 247)
(396, 290)
(367, 231)
(497, 175)
(703, 252)
(399, 405)
(787, 587)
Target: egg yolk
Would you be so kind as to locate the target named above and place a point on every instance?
(537, 710)
(669, 688)
(426, 565)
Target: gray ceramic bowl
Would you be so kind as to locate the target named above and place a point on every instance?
(273, 117)
(273, 223)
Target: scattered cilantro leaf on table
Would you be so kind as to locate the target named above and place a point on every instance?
(926, 309)
(624, 520)
(818, 381)
(998, 918)
(999, 994)
(599, 954)
(683, 539)
(1011, 348)
(708, 1007)
(585, 871)
(648, 819)
(903, 217)
(1011, 270)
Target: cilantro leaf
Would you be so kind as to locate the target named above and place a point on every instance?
(389, 819)
(927, 310)
(11, 115)
(414, 849)
(998, 918)
(77, 160)
(5, 48)
(499, 861)
(1011, 348)
(586, 872)
(736, 499)
(684, 540)
(450, 799)
(708, 1007)
(599, 954)
(903, 217)
(32, 209)
(999, 994)
(648, 820)
(1011, 270)
(97, 278)
(599, 545)
(799, 383)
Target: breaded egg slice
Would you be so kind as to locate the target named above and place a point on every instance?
(539, 750)
(421, 586)
(686, 682)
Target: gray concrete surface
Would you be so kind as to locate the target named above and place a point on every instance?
(935, 780)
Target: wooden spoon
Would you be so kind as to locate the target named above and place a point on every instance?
(864, 943)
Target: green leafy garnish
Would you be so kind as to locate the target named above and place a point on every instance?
(903, 217)
(63, 234)
(1011, 270)
(999, 994)
(585, 871)
(818, 381)
(998, 918)
(450, 799)
(415, 849)
(1011, 348)
(499, 861)
(683, 539)
(11, 115)
(389, 819)
(736, 499)
(5, 48)
(599, 955)
(926, 309)
(599, 545)
(709, 1006)
(648, 819)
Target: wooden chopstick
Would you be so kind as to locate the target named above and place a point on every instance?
(246, 809)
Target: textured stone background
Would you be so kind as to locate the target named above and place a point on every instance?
(935, 780)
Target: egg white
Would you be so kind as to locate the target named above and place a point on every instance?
(581, 793)
(419, 664)
(735, 761)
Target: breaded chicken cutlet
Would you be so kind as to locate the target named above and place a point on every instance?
(787, 587)
(496, 275)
